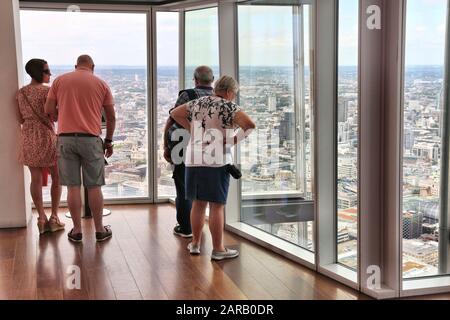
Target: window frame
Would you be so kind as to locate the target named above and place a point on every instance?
(155, 10)
(439, 283)
(336, 137)
(151, 121)
(181, 10)
(233, 208)
(323, 56)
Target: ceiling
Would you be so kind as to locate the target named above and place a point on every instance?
(130, 2)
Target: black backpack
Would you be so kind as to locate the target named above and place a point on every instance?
(192, 94)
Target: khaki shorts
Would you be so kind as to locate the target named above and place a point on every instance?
(86, 153)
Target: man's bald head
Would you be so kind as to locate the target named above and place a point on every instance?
(85, 61)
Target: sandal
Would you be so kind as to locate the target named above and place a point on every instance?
(55, 224)
(43, 226)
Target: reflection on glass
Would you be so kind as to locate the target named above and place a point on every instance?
(167, 92)
(123, 67)
(275, 91)
(201, 42)
(422, 134)
(347, 134)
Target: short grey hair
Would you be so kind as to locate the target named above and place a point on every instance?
(226, 83)
(204, 75)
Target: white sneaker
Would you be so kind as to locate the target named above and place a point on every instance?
(227, 254)
(193, 249)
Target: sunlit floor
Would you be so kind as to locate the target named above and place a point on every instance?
(144, 260)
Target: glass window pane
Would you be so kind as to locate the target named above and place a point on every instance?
(201, 42)
(167, 31)
(123, 67)
(422, 135)
(347, 134)
(275, 91)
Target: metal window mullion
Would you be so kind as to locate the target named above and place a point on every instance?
(84, 7)
(100, 8)
(299, 97)
(228, 64)
(151, 107)
(444, 223)
(182, 50)
(336, 136)
(154, 90)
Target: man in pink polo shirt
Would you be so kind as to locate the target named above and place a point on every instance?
(77, 99)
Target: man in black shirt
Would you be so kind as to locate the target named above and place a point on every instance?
(203, 77)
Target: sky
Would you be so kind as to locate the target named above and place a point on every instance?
(119, 38)
(348, 32)
(265, 36)
(60, 37)
(202, 37)
(167, 38)
(425, 32)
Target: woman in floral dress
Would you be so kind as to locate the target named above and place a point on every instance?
(38, 142)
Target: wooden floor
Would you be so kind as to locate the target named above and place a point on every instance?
(144, 260)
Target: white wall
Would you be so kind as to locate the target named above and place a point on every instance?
(14, 210)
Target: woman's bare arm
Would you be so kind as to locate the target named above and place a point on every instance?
(246, 126)
(180, 115)
(19, 114)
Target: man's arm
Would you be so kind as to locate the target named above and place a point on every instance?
(50, 109)
(169, 123)
(51, 104)
(110, 115)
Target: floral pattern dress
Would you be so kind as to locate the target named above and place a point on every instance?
(38, 138)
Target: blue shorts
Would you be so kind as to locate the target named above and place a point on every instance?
(207, 184)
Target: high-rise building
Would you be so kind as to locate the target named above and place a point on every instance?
(412, 224)
(347, 200)
(287, 127)
(436, 152)
(272, 103)
(408, 138)
(343, 132)
(343, 109)
(421, 251)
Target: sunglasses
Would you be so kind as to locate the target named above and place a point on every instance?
(47, 71)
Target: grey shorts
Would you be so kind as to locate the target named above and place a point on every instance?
(86, 153)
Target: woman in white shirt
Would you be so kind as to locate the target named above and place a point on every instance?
(215, 124)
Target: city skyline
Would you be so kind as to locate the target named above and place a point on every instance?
(71, 66)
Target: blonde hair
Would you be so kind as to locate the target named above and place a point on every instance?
(226, 83)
